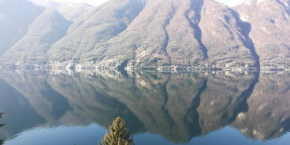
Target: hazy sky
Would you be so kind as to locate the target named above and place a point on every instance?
(97, 2)
(231, 2)
(91, 2)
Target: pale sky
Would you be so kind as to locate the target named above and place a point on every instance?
(230, 3)
(91, 2)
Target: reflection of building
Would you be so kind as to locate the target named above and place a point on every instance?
(176, 106)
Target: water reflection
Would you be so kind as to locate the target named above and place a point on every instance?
(175, 106)
(268, 116)
(1, 140)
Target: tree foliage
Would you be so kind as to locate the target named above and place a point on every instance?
(118, 135)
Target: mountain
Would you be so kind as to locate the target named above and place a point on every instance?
(44, 31)
(151, 33)
(70, 11)
(270, 29)
(15, 17)
(223, 35)
(95, 28)
(155, 37)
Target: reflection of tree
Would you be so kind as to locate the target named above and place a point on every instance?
(1, 114)
(1, 141)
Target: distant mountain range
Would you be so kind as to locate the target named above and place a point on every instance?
(145, 33)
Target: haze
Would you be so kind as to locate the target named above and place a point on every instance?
(230, 3)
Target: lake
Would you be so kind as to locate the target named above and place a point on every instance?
(201, 108)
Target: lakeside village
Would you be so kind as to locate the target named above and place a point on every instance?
(130, 68)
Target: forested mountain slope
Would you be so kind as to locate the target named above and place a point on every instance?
(150, 33)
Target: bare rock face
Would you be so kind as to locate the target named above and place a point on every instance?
(270, 29)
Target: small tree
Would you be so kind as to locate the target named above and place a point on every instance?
(118, 135)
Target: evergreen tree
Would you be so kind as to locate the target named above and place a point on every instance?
(118, 135)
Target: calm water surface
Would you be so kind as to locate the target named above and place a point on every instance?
(224, 108)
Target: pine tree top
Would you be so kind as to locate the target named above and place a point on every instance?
(118, 135)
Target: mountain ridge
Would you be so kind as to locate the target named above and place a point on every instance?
(142, 33)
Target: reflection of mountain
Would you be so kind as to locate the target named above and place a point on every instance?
(91, 102)
(161, 102)
(49, 104)
(223, 98)
(268, 116)
(176, 106)
(19, 115)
